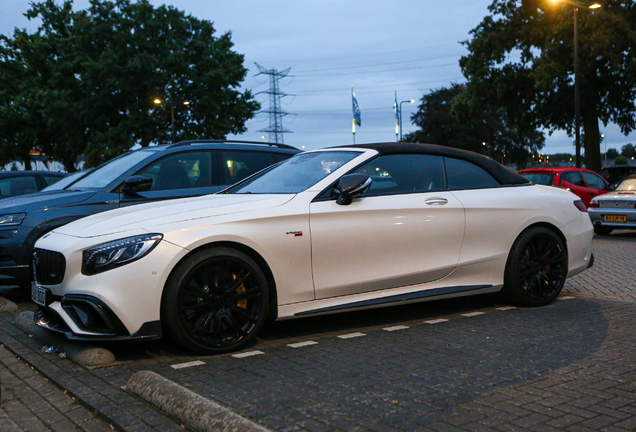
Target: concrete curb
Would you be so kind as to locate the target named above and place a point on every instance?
(192, 409)
(84, 353)
(7, 306)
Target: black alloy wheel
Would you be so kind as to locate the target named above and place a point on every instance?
(216, 301)
(536, 269)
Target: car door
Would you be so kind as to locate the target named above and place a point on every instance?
(573, 180)
(595, 183)
(180, 175)
(406, 229)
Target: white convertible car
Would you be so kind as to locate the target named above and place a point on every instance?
(326, 231)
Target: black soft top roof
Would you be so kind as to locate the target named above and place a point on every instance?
(502, 174)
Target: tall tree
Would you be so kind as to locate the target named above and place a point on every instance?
(94, 74)
(486, 132)
(521, 58)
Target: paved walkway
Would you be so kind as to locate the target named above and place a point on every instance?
(31, 402)
(461, 365)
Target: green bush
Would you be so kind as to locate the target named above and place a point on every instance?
(621, 160)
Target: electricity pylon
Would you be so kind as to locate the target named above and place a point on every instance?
(276, 114)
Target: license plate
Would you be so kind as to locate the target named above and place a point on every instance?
(614, 218)
(38, 294)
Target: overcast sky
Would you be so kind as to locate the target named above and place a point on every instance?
(376, 46)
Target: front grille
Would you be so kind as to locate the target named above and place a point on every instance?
(49, 267)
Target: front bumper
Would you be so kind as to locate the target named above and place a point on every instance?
(50, 319)
(15, 247)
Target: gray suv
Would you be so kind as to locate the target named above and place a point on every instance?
(185, 169)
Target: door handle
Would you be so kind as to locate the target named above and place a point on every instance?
(436, 201)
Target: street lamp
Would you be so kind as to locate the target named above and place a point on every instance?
(159, 102)
(603, 139)
(577, 95)
(408, 101)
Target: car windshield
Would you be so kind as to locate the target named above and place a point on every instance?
(66, 181)
(109, 171)
(627, 185)
(294, 175)
(540, 179)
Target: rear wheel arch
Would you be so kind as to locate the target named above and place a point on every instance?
(549, 226)
(544, 274)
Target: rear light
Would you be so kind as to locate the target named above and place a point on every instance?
(579, 205)
(593, 204)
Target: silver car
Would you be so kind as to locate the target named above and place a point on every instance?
(616, 209)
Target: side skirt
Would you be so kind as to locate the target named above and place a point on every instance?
(430, 293)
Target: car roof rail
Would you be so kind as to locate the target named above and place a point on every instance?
(190, 142)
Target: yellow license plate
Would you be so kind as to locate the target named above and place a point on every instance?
(614, 218)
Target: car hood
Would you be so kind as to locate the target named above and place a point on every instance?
(167, 212)
(43, 201)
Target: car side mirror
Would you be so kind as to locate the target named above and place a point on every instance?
(352, 186)
(133, 185)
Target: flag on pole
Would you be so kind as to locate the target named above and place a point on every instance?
(397, 115)
(356, 111)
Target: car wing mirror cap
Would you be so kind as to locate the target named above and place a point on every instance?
(352, 186)
(133, 185)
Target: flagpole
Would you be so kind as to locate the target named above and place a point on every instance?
(353, 126)
(397, 118)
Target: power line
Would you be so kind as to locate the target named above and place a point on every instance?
(375, 64)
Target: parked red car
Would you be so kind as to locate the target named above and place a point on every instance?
(583, 182)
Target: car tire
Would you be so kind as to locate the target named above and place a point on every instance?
(215, 301)
(601, 230)
(536, 268)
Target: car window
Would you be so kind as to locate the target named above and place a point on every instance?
(404, 173)
(49, 180)
(593, 181)
(237, 165)
(18, 186)
(180, 171)
(295, 174)
(279, 157)
(461, 174)
(66, 181)
(540, 178)
(573, 177)
(627, 185)
(109, 171)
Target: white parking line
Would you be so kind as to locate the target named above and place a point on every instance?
(351, 335)
(248, 354)
(566, 298)
(472, 314)
(436, 321)
(506, 308)
(394, 328)
(302, 344)
(187, 365)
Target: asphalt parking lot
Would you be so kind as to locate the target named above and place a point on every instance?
(469, 364)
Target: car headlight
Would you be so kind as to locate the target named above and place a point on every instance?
(117, 253)
(12, 219)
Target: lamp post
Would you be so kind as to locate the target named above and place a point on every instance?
(408, 101)
(159, 102)
(603, 139)
(577, 91)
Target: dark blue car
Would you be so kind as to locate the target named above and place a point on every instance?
(184, 169)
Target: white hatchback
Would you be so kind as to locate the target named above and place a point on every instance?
(322, 232)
